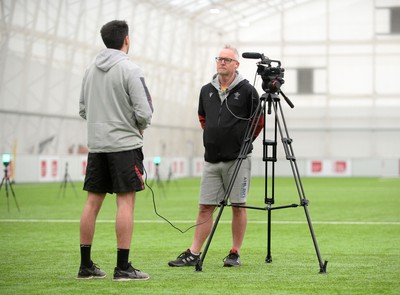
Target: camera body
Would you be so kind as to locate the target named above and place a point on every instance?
(272, 76)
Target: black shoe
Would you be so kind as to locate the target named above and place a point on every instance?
(93, 272)
(185, 259)
(130, 274)
(233, 259)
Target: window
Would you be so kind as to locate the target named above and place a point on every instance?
(305, 81)
(395, 20)
(387, 20)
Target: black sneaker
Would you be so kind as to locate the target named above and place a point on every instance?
(185, 259)
(93, 272)
(233, 259)
(130, 274)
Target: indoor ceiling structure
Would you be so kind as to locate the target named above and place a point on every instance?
(341, 61)
(226, 15)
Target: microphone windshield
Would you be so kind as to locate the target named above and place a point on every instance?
(253, 55)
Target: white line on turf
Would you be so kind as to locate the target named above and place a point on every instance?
(221, 221)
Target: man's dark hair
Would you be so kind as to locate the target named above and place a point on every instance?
(113, 33)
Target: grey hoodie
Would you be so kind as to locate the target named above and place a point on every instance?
(224, 94)
(115, 102)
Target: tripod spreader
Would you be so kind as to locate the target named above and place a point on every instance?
(266, 208)
(304, 202)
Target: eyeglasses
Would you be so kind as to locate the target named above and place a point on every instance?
(225, 59)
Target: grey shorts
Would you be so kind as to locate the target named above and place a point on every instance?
(216, 178)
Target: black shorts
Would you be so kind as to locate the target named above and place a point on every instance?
(117, 172)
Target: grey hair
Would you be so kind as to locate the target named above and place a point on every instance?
(235, 51)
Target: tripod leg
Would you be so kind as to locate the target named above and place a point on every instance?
(65, 188)
(2, 181)
(199, 265)
(322, 266)
(1, 185)
(12, 191)
(304, 202)
(268, 259)
(63, 185)
(160, 186)
(72, 184)
(287, 144)
(8, 200)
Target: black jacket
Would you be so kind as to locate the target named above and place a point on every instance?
(224, 129)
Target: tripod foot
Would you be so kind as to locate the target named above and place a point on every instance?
(199, 266)
(322, 269)
(268, 259)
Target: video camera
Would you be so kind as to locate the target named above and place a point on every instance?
(272, 76)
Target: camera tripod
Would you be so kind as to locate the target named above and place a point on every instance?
(171, 178)
(67, 178)
(7, 183)
(270, 99)
(157, 179)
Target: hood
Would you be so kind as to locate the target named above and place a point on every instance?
(224, 94)
(238, 78)
(107, 58)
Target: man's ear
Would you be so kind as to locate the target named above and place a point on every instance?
(237, 64)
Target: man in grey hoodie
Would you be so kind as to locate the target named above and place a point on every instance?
(117, 106)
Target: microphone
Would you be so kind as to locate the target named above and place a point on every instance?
(253, 55)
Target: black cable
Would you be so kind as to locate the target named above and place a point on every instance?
(253, 110)
(165, 219)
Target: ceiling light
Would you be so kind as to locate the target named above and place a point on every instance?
(214, 11)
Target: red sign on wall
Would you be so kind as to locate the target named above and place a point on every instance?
(48, 168)
(329, 168)
(316, 166)
(43, 168)
(54, 168)
(340, 166)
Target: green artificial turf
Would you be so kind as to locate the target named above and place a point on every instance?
(356, 223)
